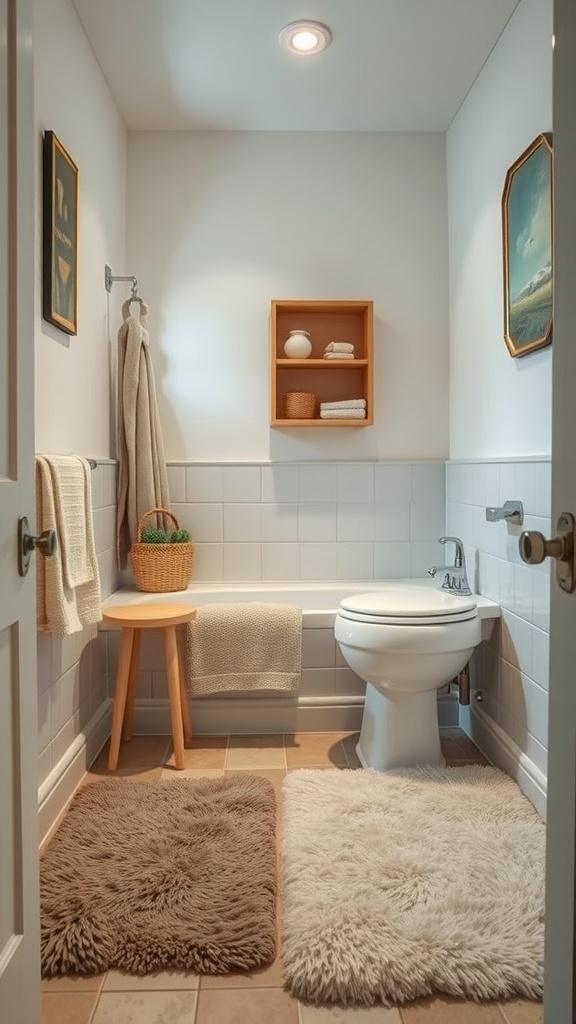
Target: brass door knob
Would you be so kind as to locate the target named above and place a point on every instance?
(45, 543)
(534, 548)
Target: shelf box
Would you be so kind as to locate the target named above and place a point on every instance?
(331, 380)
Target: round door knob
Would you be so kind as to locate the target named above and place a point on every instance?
(534, 547)
(45, 543)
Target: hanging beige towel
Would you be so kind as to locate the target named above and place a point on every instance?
(246, 647)
(142, 478)
(68, 582)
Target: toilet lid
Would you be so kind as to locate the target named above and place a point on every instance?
(420, 605)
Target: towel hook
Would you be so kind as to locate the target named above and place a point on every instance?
(109, 279)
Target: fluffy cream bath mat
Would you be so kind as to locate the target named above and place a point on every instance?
(149, 876)
(404, 883)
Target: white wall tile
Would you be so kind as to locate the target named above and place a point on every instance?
(426, 520)
(242, 483)
(176, 483)
(355, 561)
(317, 682)
(205, 522)
(424, 555)
(280, 562)
(392, 560)
(392, 483)
(204, 483)
(429, 483)
(356, 522)
(318, 483)
(392, 521)
(541, 657)
(208, 562)
(242, 523)
(318, 561)
(280, 483)
(355, 483)
(242, 562)
(279, 523)
(318, 648)
(317, 522)
(542, 489)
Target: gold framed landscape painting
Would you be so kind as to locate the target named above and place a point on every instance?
(527, 248)
(60, 235)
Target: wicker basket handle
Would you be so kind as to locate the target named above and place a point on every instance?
(151, 512)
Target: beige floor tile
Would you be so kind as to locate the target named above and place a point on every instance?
(349, 743)
(274, 775)
(67, 1007)
(203, 752)
(266, 977)
(444, 1010)
(237, 1006)
(73, 983)
(139, 752)
(164, 981)
(145, 1008)
(249, 752)
(192, 773)
(348, 1015)
(315, 750)
(522, 1011)
(136, 772)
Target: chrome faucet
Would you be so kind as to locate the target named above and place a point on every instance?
(455, 579)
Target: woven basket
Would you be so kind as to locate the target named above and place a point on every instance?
(160, 568)
(299, 405)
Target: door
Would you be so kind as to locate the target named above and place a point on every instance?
(560, 846)
(19, 945)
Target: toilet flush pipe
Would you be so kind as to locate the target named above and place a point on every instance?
(464, 685)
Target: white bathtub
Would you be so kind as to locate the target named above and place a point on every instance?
(330, 697)
(319, 601)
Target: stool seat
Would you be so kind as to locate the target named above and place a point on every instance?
(132, 620)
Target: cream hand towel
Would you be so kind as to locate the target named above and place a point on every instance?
(347, 403)
(61, 609)
(339, 346)
(244, 648)
(71, 483)
(343, 414)
(338, 355)
(142, 477)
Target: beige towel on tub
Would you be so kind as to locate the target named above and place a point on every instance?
(245, 647)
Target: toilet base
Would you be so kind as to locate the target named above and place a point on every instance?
(399, 730)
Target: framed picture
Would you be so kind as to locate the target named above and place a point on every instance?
(60, 236)
(527, 249)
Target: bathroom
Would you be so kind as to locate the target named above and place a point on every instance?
(215, 225)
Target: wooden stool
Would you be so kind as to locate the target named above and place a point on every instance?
(133, 618)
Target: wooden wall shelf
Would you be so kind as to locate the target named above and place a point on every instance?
(330, 380)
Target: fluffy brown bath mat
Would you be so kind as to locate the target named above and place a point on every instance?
(403, 883)
(163, 875)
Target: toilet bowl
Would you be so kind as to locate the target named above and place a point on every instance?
(405, 642)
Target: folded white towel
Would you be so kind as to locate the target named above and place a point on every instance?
(343, 414)
(64, 609)
(338, 355)
(347, 403)
(339, 346)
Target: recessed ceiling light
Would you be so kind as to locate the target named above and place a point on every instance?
(305, 37)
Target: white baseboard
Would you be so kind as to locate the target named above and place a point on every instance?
(503, 752)
(59, 787)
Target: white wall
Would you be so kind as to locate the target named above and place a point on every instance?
(74, 404)
(499, 406)
(221, 223)
(500, 429)
(73, 385)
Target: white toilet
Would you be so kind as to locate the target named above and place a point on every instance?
(405, 642)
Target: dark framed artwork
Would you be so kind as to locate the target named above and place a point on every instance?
(60, 236)
(527, 248)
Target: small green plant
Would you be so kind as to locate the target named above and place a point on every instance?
(152, 536)
(179, 537)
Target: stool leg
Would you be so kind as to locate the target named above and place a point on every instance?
(132, 684)
(120, 696)
(173, 678)
(184, 702)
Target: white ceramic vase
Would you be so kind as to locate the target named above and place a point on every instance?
(298, 345)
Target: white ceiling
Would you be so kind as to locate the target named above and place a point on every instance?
(394, 65)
